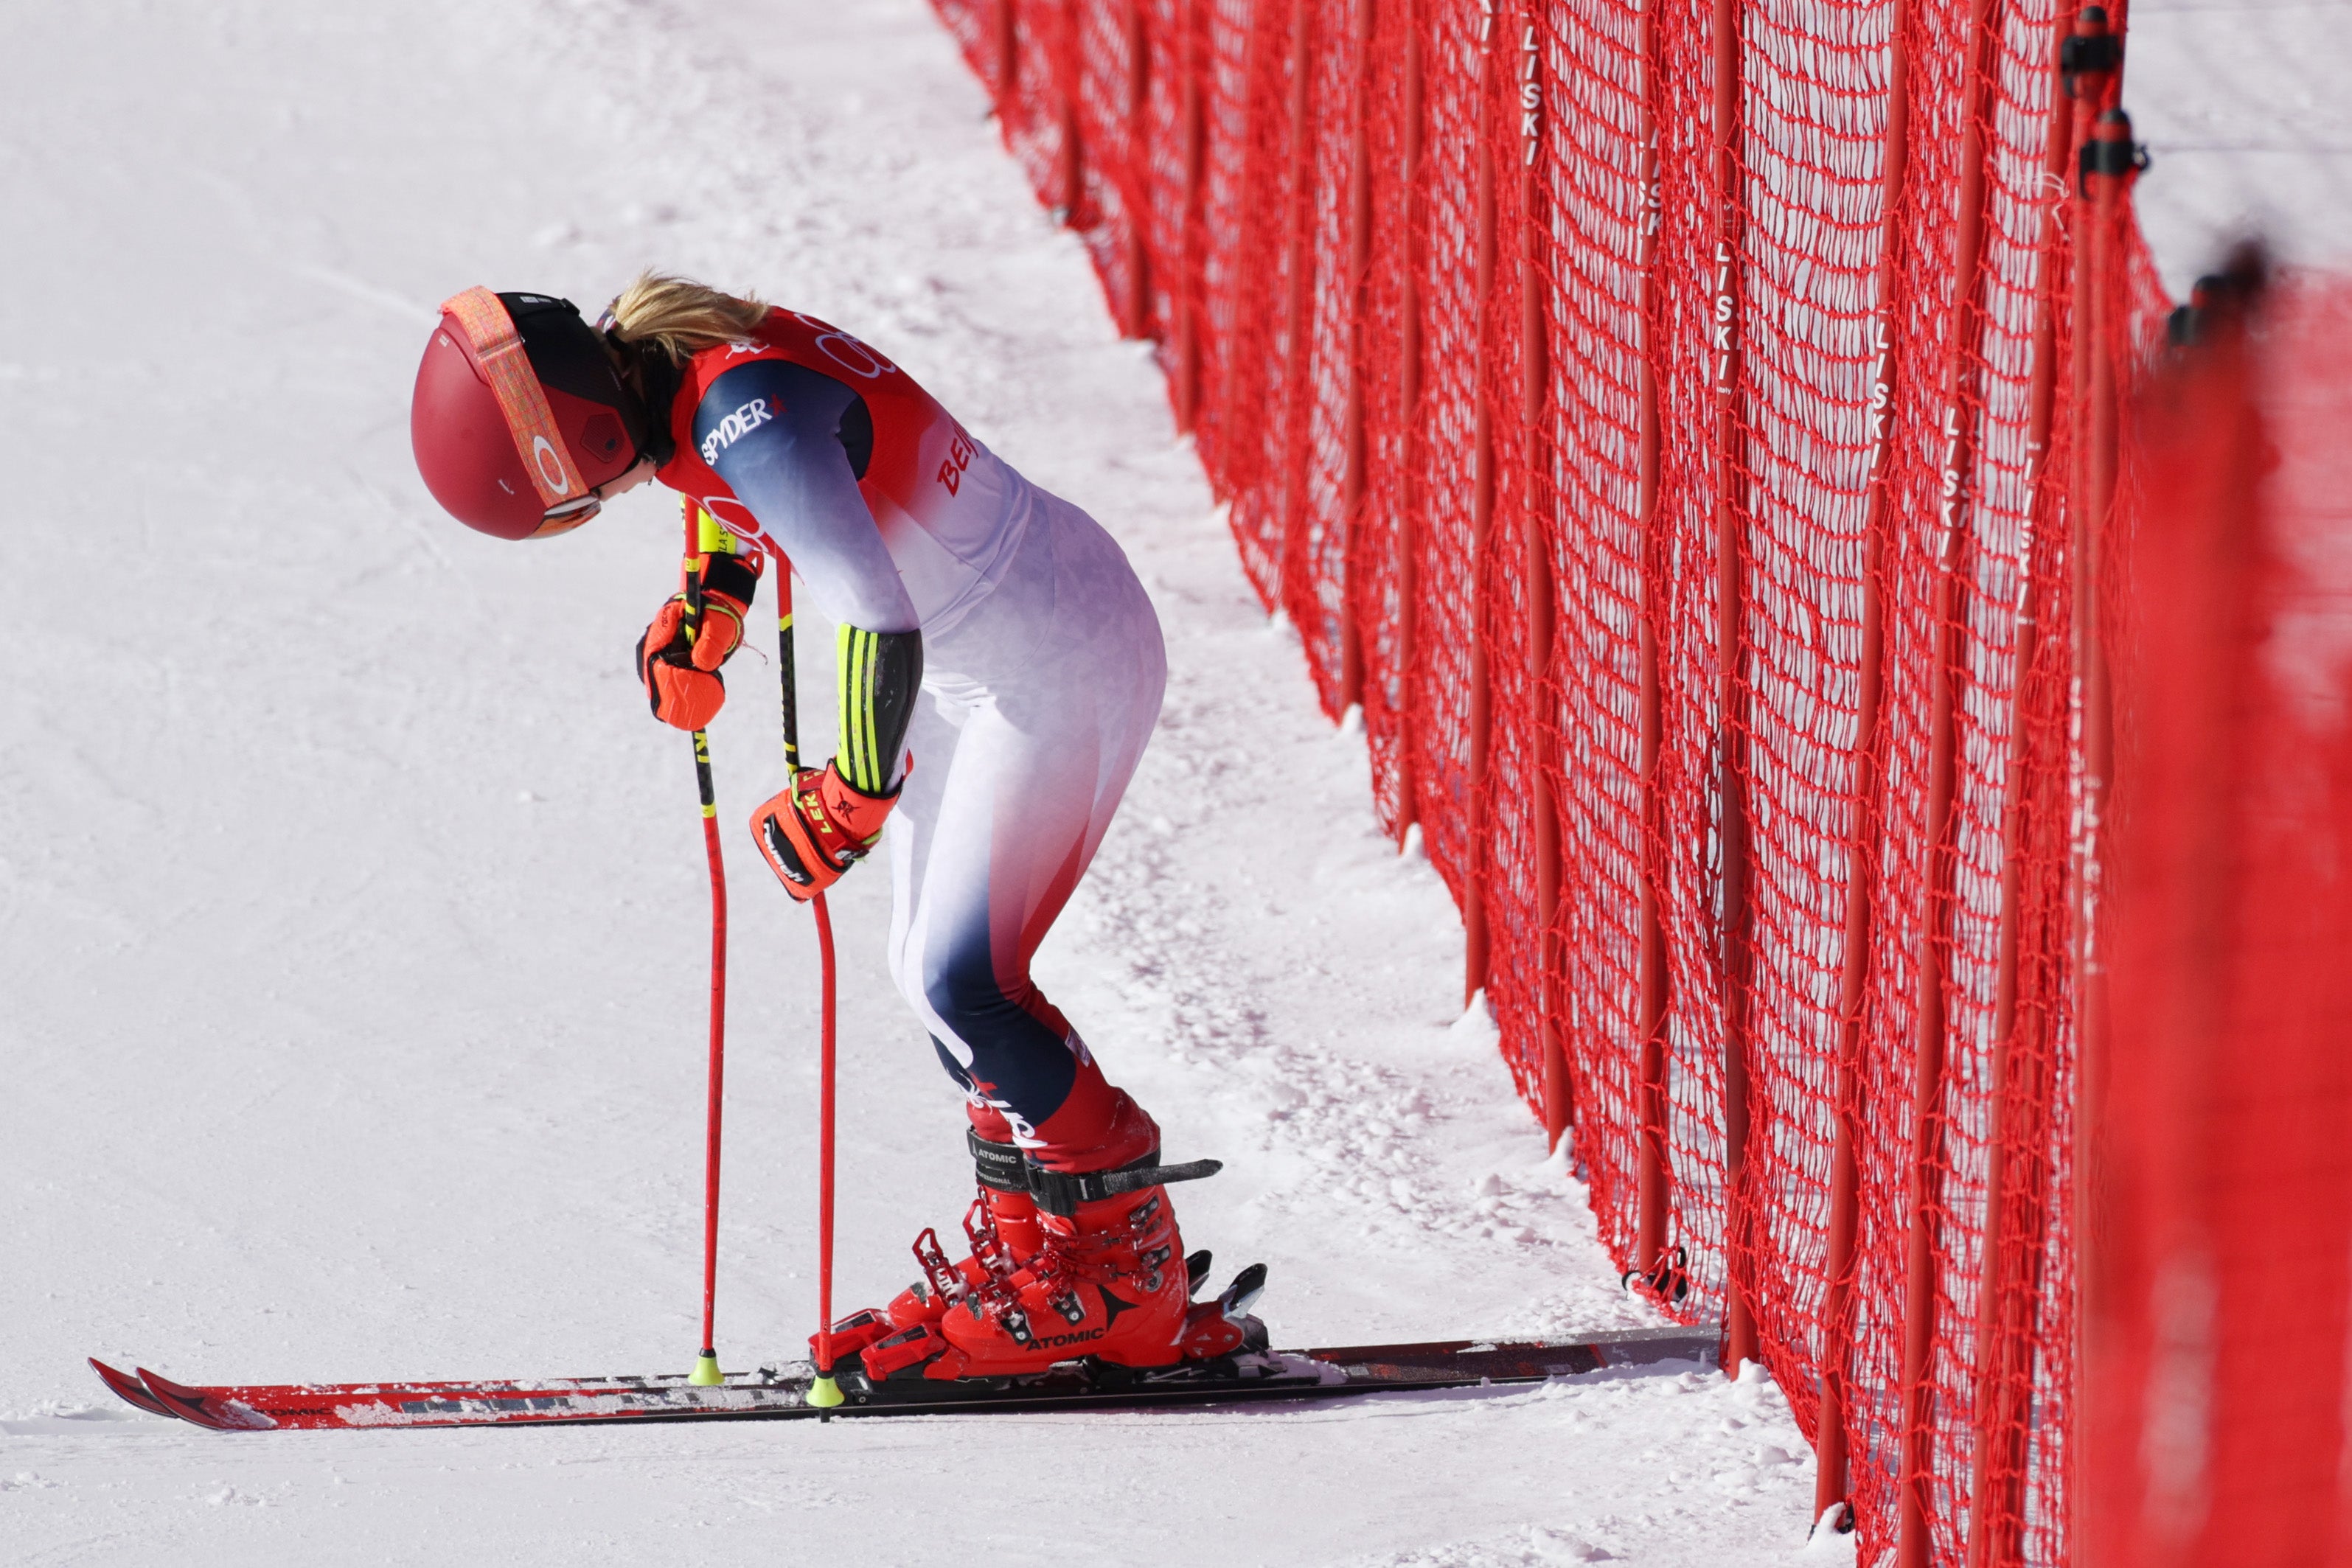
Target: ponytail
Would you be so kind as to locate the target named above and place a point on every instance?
(680, 317)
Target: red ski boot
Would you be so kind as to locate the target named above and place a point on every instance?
(1110, 1283)
(1068, 1263)
(1001, 1228)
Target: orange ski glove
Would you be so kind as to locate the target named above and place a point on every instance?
(681, 676)
(817, 828)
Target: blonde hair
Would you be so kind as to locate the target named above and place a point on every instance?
(680, 316)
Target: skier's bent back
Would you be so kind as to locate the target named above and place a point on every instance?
(1000, 671)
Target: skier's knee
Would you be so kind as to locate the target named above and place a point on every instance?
(961, 989)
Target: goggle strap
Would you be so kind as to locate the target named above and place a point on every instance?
(498, 347)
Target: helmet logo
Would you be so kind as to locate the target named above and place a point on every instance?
(550, 466)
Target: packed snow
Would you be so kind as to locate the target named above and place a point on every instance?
(354, 908)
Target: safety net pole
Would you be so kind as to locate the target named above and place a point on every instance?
(1360, 267)
(1184, 376)
(1866, 806)
(1406, 542)
(1948, 680)
(1295, 572)
(1654, 1168)
(2017, 1171)
(1542, 608)
(1731, 518)
(1477, 852)
(1135, 310)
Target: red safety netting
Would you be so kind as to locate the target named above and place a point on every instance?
(1110, 176)
(2218, 1293)
(1699, 538)
(1813, 147)
(1442, 532)
(1596, 233)
(1684, 359)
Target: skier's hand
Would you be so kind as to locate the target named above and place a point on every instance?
(817, 828)
(681, 676)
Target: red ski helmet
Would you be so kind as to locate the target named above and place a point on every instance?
(519, 415)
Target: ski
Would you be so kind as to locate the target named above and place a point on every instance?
(782, 1391)
(130, 1389)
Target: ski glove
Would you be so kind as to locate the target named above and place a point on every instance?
(681, 674)
(817, 828)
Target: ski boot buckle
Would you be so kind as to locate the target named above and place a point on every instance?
(988, 1249)
(933, 1259)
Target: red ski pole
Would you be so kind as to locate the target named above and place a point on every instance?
(824, 1392)
(706, 1365)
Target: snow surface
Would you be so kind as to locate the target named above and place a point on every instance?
(354, 909)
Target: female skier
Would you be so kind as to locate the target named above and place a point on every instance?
(948, 574)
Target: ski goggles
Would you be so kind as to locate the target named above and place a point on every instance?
(498, 349)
